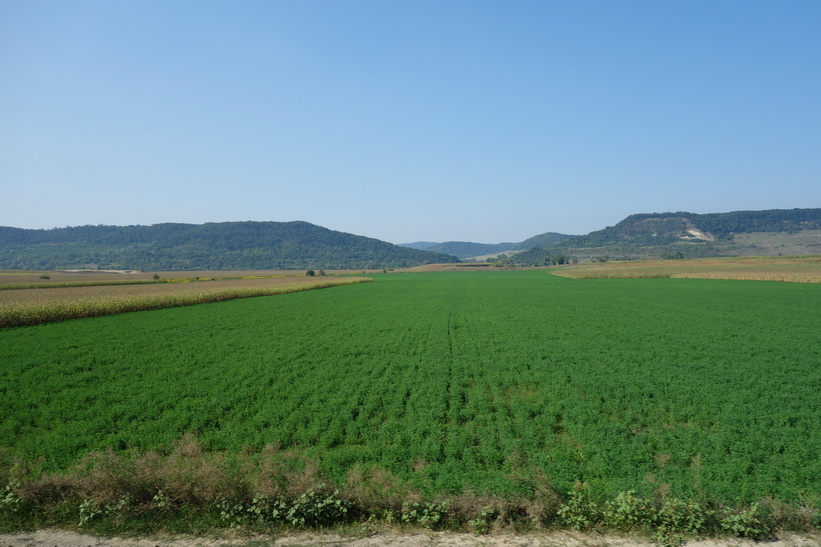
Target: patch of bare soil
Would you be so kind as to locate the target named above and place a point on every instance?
(60, 538)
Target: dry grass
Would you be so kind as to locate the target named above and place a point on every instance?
(795, 269)
(41, 305)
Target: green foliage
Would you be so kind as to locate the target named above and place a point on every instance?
(91, 509)
(210, 246)
(317, 508)
(686, 517)
(481, 524)
(746, 522)
(310, 273)
(626, 511)
(428, 514)
(675, 518)
(162, 501)
(10, 504)
(313, 508)
(578, 511)
(554, 259)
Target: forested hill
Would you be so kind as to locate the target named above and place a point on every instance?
(680, 234)
(547, 238)
(663, 228)
(211, 246)
(421, 245)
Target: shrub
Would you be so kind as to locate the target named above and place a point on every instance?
(429, 514)
(481, 524)
(317, 508)
(675, 519)
(578, 512)
(627, 512)
(314, 508)
(10, 505)
(746, 522)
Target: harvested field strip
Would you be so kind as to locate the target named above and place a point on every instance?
(60, 277)
(18, 286)
(35, 306)
(125, 280)
(804, 269)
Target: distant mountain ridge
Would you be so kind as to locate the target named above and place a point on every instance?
(677, 235)
(210, 246)
(419, 245)
(468, 249)
(663, 228)
(301, 245)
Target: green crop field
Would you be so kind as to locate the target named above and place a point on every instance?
(451, 382)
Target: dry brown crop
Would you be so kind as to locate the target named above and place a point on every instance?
(795, 269)
(42, 305)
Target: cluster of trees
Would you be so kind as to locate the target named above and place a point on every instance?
(541, 257)
(723, 225)
(212, 246)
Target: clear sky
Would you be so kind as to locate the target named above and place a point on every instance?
(406, 120)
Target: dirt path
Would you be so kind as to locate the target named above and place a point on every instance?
(59, 538)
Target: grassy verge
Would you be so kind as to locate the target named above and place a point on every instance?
(186, 489)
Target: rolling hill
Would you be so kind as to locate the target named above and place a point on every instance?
(210, 246)
(690, 235)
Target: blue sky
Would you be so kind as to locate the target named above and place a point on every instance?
(424, 120)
